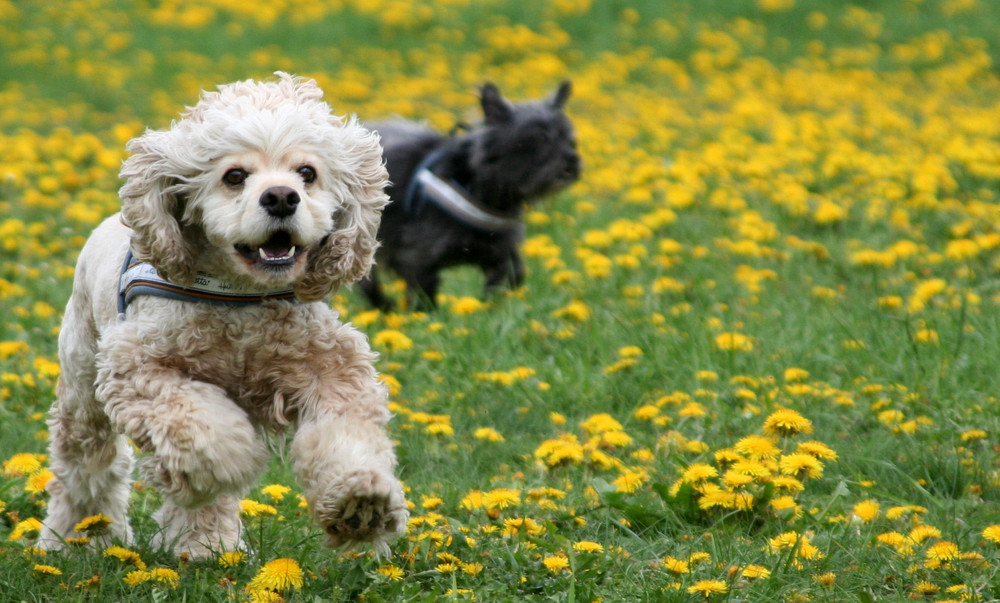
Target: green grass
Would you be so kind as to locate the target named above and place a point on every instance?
(749, 125)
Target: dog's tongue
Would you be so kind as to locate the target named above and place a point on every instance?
(272, 252)
(278, 247)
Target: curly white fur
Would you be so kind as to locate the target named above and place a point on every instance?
(194, 385)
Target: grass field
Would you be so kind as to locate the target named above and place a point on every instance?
(757, 355)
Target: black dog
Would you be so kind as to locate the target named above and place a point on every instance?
(458, 200)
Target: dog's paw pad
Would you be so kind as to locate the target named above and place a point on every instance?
(376, 512)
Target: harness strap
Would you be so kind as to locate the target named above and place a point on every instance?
(140, 278)
(453, 199)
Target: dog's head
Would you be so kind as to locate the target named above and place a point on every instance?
(261, 183)
(529, 146)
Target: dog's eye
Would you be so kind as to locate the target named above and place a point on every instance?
(308, 174)
(235, 177)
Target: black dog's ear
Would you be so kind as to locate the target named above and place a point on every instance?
(496, 108)
(561, 95)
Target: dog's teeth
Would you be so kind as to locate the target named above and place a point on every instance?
(291, 252)
(263, 255)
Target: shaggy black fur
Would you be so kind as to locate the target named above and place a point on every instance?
(519, 153)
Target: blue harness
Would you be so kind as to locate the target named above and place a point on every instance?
(140, 278)
(451, 197)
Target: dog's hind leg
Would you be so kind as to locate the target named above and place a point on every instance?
(92, 465)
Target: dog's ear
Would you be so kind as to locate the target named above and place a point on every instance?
(347, 253)
(496, 108)
(558, 98)
(151, 208)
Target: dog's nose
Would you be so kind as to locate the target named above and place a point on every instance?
(280, 201)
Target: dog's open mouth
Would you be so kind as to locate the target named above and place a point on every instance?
(277, 251)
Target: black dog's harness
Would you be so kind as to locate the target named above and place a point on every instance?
(140, 278)
(452, 198)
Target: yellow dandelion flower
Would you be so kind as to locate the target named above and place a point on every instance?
(24, 527)
(647, 412)
(693, 409)
(8, 349)
(586, 546)
(446, 567)
(391, 572)
(50, 570)
(826, 579)
(734, 342)
(566, 449)
(615, 439)
(392, 340)
(900, 542)
(924, 532)
(783, 541)
(232, 558)
(973, 434)
(124, 554)
(252, 508)
(734, 479)
(577, 311)
(943, 551)
(165, 575)
(619, 366)
(277, 492)
(817, 449)
(473, 500)
(23, 463)
(432, 355)
(895, 513)
(992, 533)
(488, 434)
(556, 563)
(786, 422)
(95, 524)
(78, 541)
(136, 577)
(707, 588)
(799, 465)
(515, 525)
(787, 483)
(601, 423)
(676, 566)
(630, 481)
(717, 497)
(866, 510)
(466, 305)
(277, 575)
(699, 472)
(472, 569)
(757, 447)
(501, 498)
(752, 468)
(755, 571)
(37, 481)
(431, 502)
(781, 503)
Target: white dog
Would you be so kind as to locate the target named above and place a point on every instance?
(241, 218)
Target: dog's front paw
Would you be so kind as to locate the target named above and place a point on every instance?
(370, 508)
